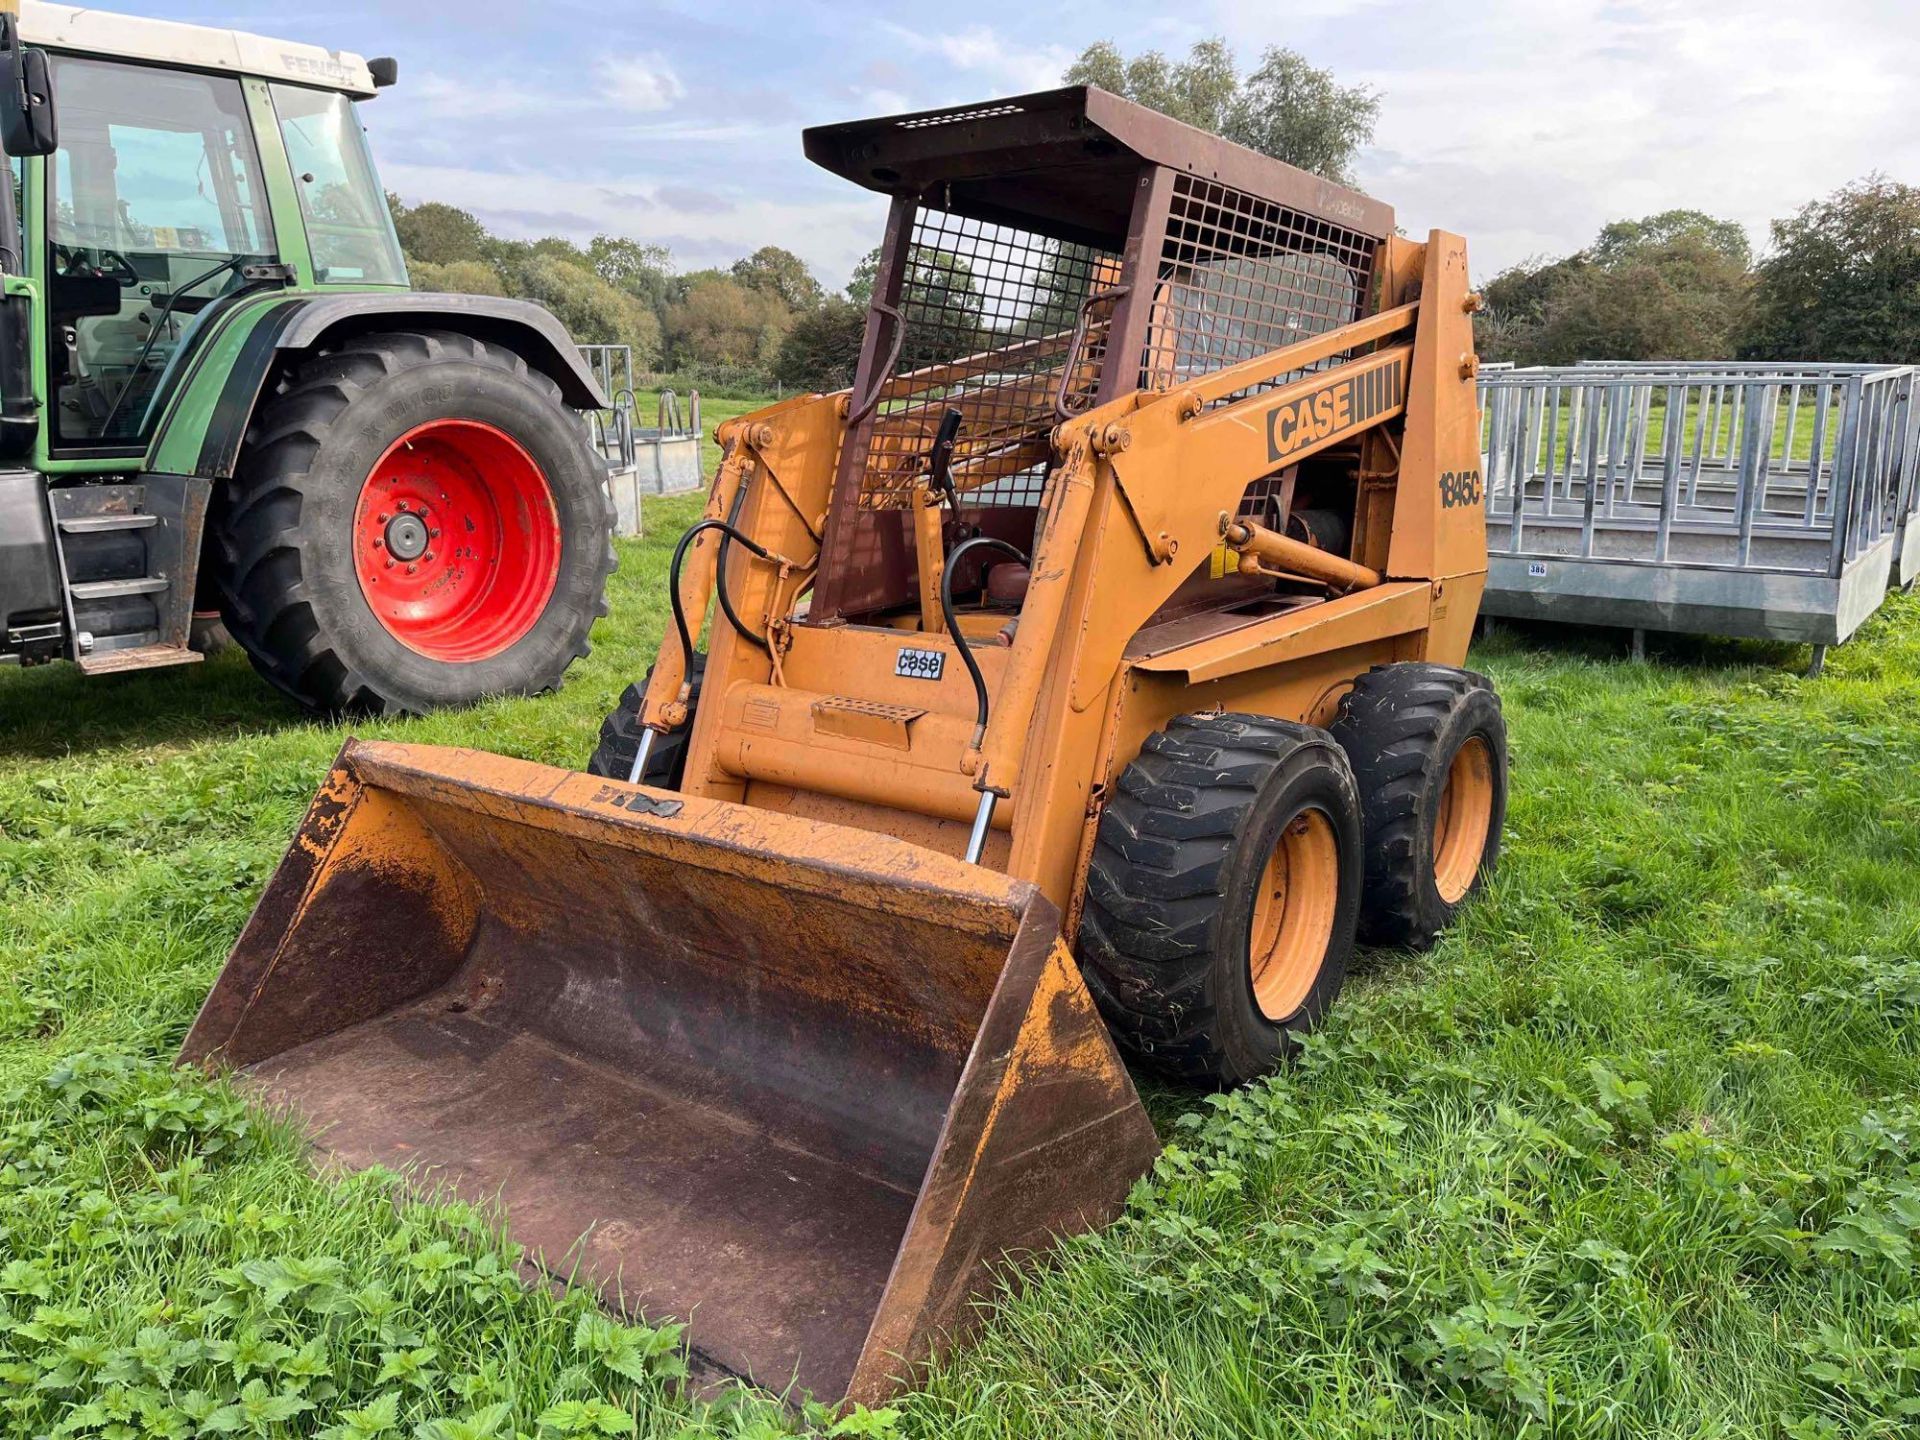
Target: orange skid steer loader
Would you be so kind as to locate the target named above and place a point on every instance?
(1086, 673)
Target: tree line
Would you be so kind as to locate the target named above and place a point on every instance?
(1840, 281)
(763, 320)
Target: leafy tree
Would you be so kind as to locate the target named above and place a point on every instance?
(1516, 307)
(459, 277)
(439, 234)
(1842, 279)
(719, 321)
(944, 308)
(1671, 286)
(1285, 107)
(822, 349)
(860, 286)
(1199, 90)
(595, 312)
(1626, 240)
(642, 270)
(782, 274)
(1298, 113)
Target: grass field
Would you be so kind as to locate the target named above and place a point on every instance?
(1632, 1153)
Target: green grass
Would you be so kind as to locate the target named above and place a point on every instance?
(1632, 1153)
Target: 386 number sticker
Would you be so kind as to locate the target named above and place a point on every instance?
(920, 664)
(1460, 487)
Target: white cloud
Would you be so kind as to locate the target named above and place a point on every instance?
(1527, 127)
(1006, 66)
(641, 82)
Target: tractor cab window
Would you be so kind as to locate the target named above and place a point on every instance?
(155, 200)
(349, 227)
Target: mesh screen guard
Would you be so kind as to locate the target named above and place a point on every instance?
(988, 317)
(1018, 331)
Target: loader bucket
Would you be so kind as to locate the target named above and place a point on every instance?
(795, 1084)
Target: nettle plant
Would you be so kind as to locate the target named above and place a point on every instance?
(173, 1271)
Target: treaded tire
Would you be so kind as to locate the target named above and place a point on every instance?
(282, 537)
(1178, 859)
(620, 736)
(1402, 725)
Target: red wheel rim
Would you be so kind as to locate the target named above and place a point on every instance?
(456, 542)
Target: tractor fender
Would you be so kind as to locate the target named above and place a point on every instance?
(299, 323)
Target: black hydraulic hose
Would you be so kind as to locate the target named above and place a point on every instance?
(719, 585)
(979, 542)
(720, 577)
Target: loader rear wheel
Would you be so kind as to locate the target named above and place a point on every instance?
(416, 522)
(1222, 895)
(1429, 749)
(620, 736)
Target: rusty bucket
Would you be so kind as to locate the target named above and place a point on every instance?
(799, 1085)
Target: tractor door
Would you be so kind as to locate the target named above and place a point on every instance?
(154, 200)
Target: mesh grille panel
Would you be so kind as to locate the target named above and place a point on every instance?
(1240, 276)
(989, 316)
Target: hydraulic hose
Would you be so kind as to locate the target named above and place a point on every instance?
(719, 585)
(720, 577)
(979, 542)
(983, 817)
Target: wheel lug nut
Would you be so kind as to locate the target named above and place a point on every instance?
(383, 518)
(379, 544)
(434, 534)
(427, 556)
(401, 506)
(389, 564)
(413, 569)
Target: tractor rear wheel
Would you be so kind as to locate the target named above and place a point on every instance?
(1222, 895)
(1429, 749)
(417, 522)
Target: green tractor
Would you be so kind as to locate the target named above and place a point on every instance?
(218, 394)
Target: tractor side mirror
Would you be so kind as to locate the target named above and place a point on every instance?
(27, 123)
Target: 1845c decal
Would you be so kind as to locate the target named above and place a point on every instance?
(1460, 487)
(1299, 423)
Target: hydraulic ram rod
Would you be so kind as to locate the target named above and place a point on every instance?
(1261, 549)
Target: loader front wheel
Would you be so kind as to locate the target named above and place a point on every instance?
(416, 522)
(1222, 895)
(1429, 750)
(620, 736)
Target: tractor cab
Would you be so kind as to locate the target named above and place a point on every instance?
(156, 209)
(205, 305)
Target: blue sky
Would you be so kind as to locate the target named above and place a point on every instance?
(1524, 124)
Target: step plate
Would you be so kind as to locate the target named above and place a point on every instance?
(139, 657)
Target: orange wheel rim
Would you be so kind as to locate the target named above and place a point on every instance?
(1461, 828)
(1293, 914)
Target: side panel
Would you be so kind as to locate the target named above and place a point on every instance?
(1439, 521)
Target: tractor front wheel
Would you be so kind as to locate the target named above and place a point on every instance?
(417, 522)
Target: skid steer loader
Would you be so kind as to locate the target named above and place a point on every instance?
(1085, 673)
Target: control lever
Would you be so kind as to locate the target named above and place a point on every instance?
(940, 459)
